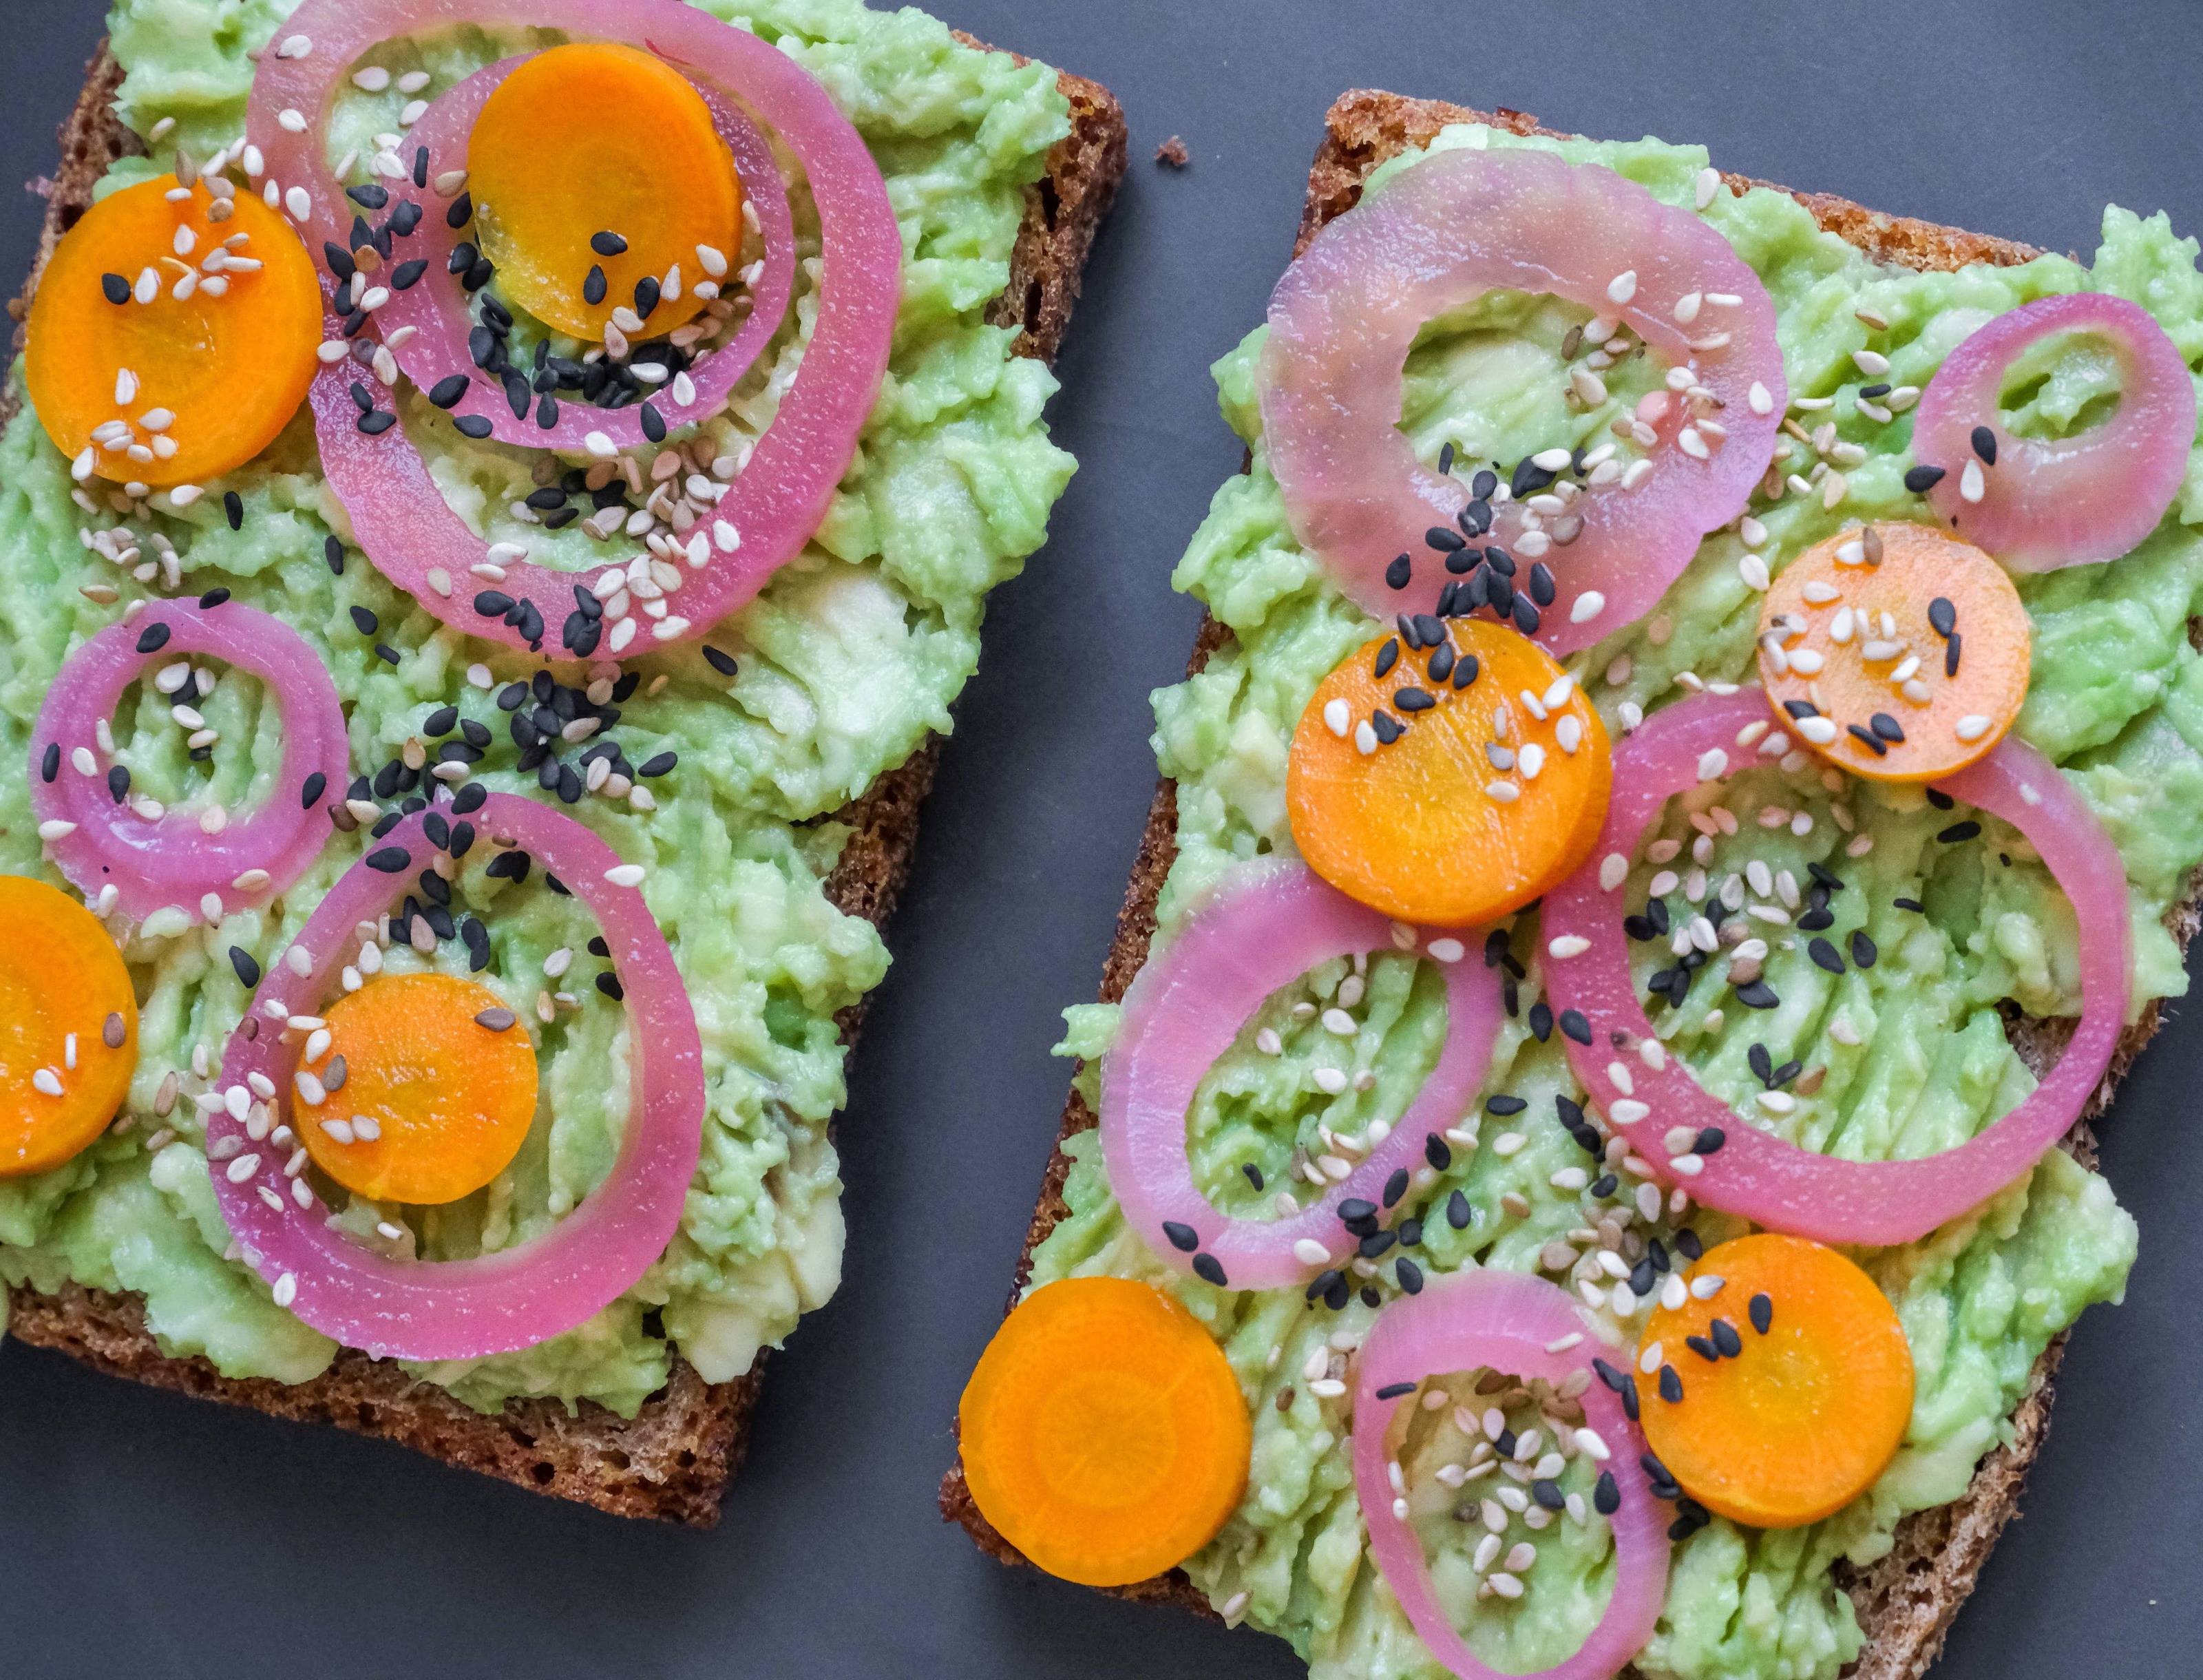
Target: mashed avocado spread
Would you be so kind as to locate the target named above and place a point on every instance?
(1902, 1058)
(845, 662)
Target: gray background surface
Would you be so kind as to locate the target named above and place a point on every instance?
(144, 1536)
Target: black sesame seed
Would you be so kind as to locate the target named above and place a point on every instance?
(390, 860)
(720, 661)
(1704, 1348)
(476, 426)
(1526, 615)
(212, 599)
(310, 794)
(1547, 1493)
(546, 411)
(1183, 1237)
(1458, 1212)
(1984, 442)
(1951, 654)
(1505, 1103)
(1824, 957)
(1757, 995)
(232, 509)
(248, 971)
(1254, 1174)
(1606, 1495)
(1919, 480)
(1888, 728)
(1395, 1187)
(1801, 708)
(593, 287)
(1410, 1275)
(420, 166)
(118, 783)
(1942, 616)
(609, 984)
(607, 244)
(50, 767)
(1464, 671)
(1393, 1391)
(1968, 830)
(116, 288)
(1725, 1338)
(1868, 738)
(1541, 584)
(386, 652)
(646, 295)
(1762, 1313)
(1376, 1243)
(1574, 1024)
(653, 422)
(1445, 540)
(1387, 727)
(1528, 478)
(376, 424)
(406, 274)
(1708, 1142)
(153, 638)
(1413, 700)
(1387, 657)
(1864, 951)
(1671, 1387)
(446, 392)
(493, 604)
(1207, 1268)
(364, 621)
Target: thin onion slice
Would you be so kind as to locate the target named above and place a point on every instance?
(464, 1309)
(1763, 1178)
(1527, 1328)
(1436, 237)
(437, 308)
(775, 506)
(1261, 930)
(99, 840)
(2047, 503)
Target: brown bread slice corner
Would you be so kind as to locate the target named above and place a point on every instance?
(1905, 1601)
(672, 1461)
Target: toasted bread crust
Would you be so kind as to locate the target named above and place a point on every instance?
(673, 1459)
(1906, 1601)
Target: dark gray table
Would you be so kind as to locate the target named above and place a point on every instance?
(144, 1536)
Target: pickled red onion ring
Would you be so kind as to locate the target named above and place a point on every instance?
(1527, 1328)
(437, 308)
(775, 506)
(173, 861)
(2047, 503)
(1263, 928)
(1763, 1178)
(398, 1309)
(1433, 239)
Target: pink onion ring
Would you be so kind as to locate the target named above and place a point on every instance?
(394, 1308)
(1437, 236)
(438, 308)
(774, 508)
(173, 861)
(2067, 501)
(1515, 1323)
(1263, 928)
(1763, 1178)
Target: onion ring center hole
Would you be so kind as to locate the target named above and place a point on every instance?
(1778, 1018)
(1268, 1102)
(1511, 366)
(2060, 386)
(214, 740)
(1460, 1474)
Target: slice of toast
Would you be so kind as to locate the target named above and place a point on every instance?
(1905, 1601)
(672, 1461)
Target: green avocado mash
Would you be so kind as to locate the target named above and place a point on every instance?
(846, 661)
(1902, 1058)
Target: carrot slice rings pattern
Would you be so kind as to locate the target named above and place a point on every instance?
(1261, 929)
(120, 858)
(1435, 237)
(1754, 1173)
(1528, 1328)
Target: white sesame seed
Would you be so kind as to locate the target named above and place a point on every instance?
(1708, 184)
(1623, 288)
(1871, 363)
(287, 1289)
(373, 79)
(1629, 1111)
(1566, 945)
(299, 204)
(291, 119)
(1713, 764)
(1588, 605)
(1972, 486)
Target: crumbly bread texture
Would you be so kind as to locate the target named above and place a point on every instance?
(672, 1461)
(1905, 1601)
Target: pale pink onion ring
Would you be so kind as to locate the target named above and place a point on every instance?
(437, 307)
(1528, 1328)
(398, 1309)
(400, 517)
(1435, 237)
(172, 862)
(1263, 928)
(2064, 502)
(1772, 1182)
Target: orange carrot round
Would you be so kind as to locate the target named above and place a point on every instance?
(1103, 1434)
(1895, 650)
(1448, 786)
(166, 347)
(427, 1090)
(595, 168)
(68, 1027)
(1777, 1400)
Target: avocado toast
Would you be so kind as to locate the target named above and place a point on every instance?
(1904, 1585)
(657, 1442)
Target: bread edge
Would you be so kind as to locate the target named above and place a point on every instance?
(1906, 1601)
(671, 1461)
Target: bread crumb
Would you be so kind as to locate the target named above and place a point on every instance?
(1173, 153)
